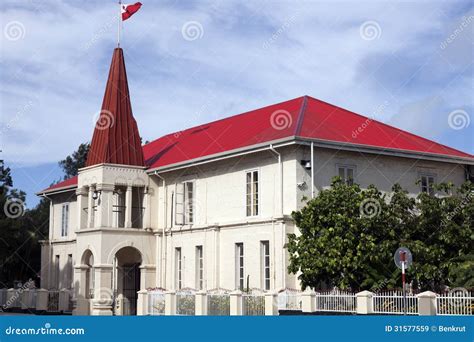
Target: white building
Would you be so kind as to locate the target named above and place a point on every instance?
(209, 207)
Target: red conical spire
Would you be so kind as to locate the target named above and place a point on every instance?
(116, 139)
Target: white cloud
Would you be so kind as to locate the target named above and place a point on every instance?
(250, 54)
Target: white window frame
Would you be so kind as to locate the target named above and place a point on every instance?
(239, 266)
(265, 264)
(184, 211)
(178, 268)
(65, 220)
(429, 190)
(199, 267)
(347, 167)
(254, 207)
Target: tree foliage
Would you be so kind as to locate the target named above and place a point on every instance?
(72, 163)
(348, 236)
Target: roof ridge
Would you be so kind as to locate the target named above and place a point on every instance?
(223, 119)
(299, 123)
(389, 126)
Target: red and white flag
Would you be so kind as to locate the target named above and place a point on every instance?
(129, 9)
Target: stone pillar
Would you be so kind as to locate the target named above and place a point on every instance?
(81, 203)
(41, 300)
(63, 300)
(104, 216)
(236, 303)
(147, 276)
(24, 298)
(128, 207)
(364, 303)
(102, 302)
(427, 305)
(308, 301)
(90, 208)
(271, 304)
(201, 303)
(80, 301)
(170, 303)
(142, 303)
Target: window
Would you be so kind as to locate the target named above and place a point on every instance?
(184, 203)
(179, 268)
(199, 268)
(427, 184)
(252, 193)
(69, 271)
(346, 172)
(239, 266)
(265, 257)
(64, 219)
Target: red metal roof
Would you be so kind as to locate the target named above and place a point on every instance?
(116, 139)
(303, 117)
(68, 183)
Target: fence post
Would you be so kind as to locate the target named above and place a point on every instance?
(24, 298)
(201, 303)
(170, 303)
(63, 301)
(236, 303)
(11, 301)
(271, 304)
(364, 303)
(308, 302)
(427, 305)
(142, 303)
(3, 297)
(41, 300)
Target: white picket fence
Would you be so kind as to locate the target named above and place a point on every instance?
(392, 302)
(156, 302)
(185, 302)
(218, 302)
(253, 303)
(455, 303)
(335, 301)
(289, 299)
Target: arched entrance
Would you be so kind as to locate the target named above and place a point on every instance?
(127, 263)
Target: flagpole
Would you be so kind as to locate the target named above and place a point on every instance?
(119, 22)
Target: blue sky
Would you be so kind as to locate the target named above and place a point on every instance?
(409, 64)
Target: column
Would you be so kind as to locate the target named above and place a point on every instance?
(201, 303)
(364, 303)
(102, 302)
(80, 193)
(308, 301)
(80, 301)
(147, 276)
(236, 303)
(427, 305)
(104, 217)
(90, 208)
(271, 304)
(128, 207)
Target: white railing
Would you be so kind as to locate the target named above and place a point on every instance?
(289, 299)
(391, 302)
(455, 303)
(218, 302)
(253, 303)
(185, 302)
(335, 301)
(156, 302)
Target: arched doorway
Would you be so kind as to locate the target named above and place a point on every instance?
(127, 279)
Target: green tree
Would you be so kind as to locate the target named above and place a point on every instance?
(348, 236)
(72, 163)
